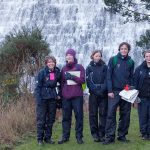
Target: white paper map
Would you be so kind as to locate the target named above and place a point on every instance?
(75, 73)
(129, 95)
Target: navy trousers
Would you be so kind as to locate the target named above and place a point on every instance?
(97, 115)
(144, 116)
(75, 104)
(124, 117)
(45, 112)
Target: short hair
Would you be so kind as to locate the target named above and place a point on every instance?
(48, 57)
(145, 52)
(125, 43)
(94, 52)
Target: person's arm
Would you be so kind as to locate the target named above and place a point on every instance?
(38, 86)
(103, 86)
(90, 84)
(59, 84)
(132, 75)
(109, 75)
(109, 79)
(63, 80)
(136, 77)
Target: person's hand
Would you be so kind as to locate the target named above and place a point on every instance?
(131, 87)
(58, 97)
(111, 95)
(68, 76)
(128, 87)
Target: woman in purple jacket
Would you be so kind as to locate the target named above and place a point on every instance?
(73, 76)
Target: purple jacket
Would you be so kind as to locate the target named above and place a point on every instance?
(71, 91)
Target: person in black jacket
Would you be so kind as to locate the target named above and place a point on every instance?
(46, 95)
(120, 74)
(96, 73)
(142, 83)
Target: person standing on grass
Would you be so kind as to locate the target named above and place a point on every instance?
(46, 100)
(96, 74)
(142, 83)
(72, 94)
(119, 74)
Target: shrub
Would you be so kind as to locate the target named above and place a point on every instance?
(21, 52)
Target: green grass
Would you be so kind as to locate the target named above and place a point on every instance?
(136, 142)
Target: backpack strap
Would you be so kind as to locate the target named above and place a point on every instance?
(130, 62)
(115, 60)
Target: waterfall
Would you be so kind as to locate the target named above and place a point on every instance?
(83, 25)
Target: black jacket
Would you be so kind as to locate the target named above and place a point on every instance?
(96, 78)
(120, 74)
(140, 73)
(46, 88)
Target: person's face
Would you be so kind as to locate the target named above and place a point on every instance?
(50, 64)
(96, 57)
(124, 50)
(69, 58)
(147, 57)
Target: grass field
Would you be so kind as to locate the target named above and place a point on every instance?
(136, 142)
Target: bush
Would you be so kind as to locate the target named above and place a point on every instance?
(22, 52)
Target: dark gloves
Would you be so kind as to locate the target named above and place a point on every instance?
(68, 76)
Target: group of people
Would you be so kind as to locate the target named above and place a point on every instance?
(55, 86)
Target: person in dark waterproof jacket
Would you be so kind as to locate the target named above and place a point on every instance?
(142, 83)
(46, 99)
(72, 95)
(96, 74)
(119, 74)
